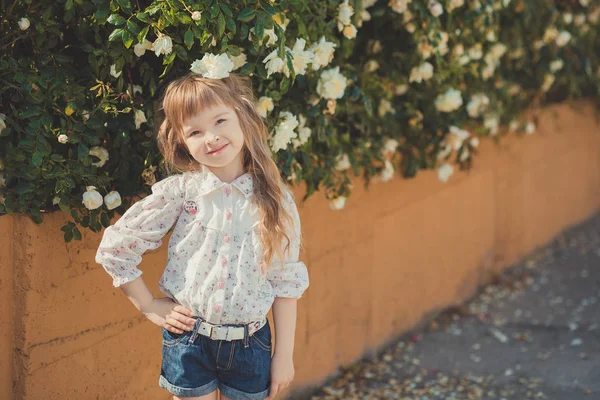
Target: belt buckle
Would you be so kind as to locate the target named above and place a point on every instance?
(213, 332)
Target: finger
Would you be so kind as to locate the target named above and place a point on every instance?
(273, 391)
(182, 310)
(177, 324)
(183, 319)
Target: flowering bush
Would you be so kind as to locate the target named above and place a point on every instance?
(351, 87)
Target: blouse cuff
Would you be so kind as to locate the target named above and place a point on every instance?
(291, 281)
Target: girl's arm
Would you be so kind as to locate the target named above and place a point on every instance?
(141, 228)
(288, 284)
(284, 318)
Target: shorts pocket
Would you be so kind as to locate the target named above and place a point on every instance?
(171, 339)
(262, 338)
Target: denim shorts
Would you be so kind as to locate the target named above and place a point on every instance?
(192, 368)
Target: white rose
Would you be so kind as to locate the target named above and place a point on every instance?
(332, 84)
(453, 4)
(513, 125)
(62, 139)
(196, 15)
(464, 59)
(548, 82)
(238, 61)
(101, 153)
(270, 33)
(112, 200)
(449, 101)
(455, 138)
(435, 8)
(399, 90)
(342, 162)
(91, 198)
(371, 66)
(458, 50)
(2, 122)
(530, 128)
(345, 12)
(464, 154)
(563, 38)
(301, 57)
(213, 66)
(390, 146)
(304, 132)
(491, 123)
(579, 19)
(140, 48)
(399, 6)
(113, 71)
(350, 31)
(284, 131)
(139, 118)
(55, 200)
(478, 104)
(387, 174)
(584, 3)
(475, 52)
(474, 142)
(162, 45)
(444, 172)
(24, 24)
(323, 53)
(421, 73)
(568, 18)
(136, 89)
(385, 107)
(264, 105)
(338, 203)
(275, 64)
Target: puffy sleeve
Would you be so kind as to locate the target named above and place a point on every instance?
(141, 228)
(291, 280)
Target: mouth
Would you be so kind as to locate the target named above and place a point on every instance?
(215, 151)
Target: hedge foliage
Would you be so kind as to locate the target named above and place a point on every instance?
(347, 88)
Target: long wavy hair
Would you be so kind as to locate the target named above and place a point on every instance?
(189, 95)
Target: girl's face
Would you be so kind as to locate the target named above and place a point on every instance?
(214, 138)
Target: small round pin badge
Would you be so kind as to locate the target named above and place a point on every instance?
(190, 207)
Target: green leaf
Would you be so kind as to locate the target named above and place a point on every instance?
(105, 220)
(132, 27)
(226, 9)
(143, 17)
(188, 39)
(143, 33)
(247, 14)
(259, 30)
(68, 236)
(214, 10)
(68, 5)
(220, 25)
(36, 159)
(125, 5)
(127, 39)
(181, 52)
(76, 234)
(184, 18)
(115, 35)
(115, 19)
(230, 24)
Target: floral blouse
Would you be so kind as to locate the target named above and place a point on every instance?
(214, 253)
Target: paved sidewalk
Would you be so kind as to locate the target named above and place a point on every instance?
(534, 334)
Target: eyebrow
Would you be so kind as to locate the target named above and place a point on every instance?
(187, 133)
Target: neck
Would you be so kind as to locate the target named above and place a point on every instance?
(229, 172)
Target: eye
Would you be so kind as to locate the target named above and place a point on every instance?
(194, 133)
(219, 121)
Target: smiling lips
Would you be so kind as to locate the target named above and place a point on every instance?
(219, 149)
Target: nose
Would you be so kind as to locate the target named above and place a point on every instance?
(210, 137)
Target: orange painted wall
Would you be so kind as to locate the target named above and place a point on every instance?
(397, 253)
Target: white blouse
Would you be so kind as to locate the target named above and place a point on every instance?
(214, 253)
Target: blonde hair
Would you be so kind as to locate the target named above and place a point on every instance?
(188, 95)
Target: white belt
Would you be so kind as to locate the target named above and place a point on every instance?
(219, 332)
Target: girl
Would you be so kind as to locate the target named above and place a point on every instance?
(233, 252)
